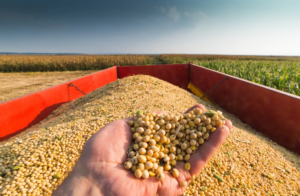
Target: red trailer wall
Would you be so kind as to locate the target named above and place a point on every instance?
(177, 75)
(274, 113)
(19, 114)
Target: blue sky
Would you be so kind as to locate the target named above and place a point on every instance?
(253, 27)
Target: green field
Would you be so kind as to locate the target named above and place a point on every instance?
(282, 73)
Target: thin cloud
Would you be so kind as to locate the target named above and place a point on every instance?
(196, 15)
(196, 19)
(174, 13)
(170, 11)
(201, 14)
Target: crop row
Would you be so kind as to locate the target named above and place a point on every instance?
(282, 73)
(279, 73)
(32, 63)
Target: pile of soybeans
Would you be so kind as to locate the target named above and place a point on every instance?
(160, 140)
(37, 161)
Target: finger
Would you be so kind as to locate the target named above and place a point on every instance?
(169, 186)
(208, 149)
(184, 175)
(228, 123)
(200, 106)
(128, 119)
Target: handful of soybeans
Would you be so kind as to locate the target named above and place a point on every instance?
(160, 140)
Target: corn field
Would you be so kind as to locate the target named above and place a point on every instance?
(282, 73)
(282, 76)
(32, 63)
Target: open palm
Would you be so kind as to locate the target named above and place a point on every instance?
(103, 156)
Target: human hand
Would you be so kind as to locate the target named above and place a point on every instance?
(100, 171)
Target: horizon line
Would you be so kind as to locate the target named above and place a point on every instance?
(62, 53)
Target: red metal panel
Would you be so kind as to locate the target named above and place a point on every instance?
(102, 78)
(19, 114)
(175, 74)
(274, 113)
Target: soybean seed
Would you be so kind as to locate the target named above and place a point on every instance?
(187, 166)
(128, 165)
(141, 166)
(142, 159)
(145, 174)
(138, 173)
(183, 183)
(160, 176)
(148, 165)
(175, 172)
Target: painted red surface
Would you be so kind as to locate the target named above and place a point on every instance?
(175, 74)
(19, 114)
(274, 113)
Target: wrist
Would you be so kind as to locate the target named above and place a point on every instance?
(73, 185)
(77, 184)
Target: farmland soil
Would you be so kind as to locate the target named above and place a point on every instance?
(14, 85)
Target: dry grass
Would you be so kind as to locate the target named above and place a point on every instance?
(14, 85)
(249, 163)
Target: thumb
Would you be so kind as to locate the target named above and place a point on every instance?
(199, 159)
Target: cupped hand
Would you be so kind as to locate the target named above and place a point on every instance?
(100, 171)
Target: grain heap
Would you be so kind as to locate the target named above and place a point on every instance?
(37, 162)
(160, 140)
